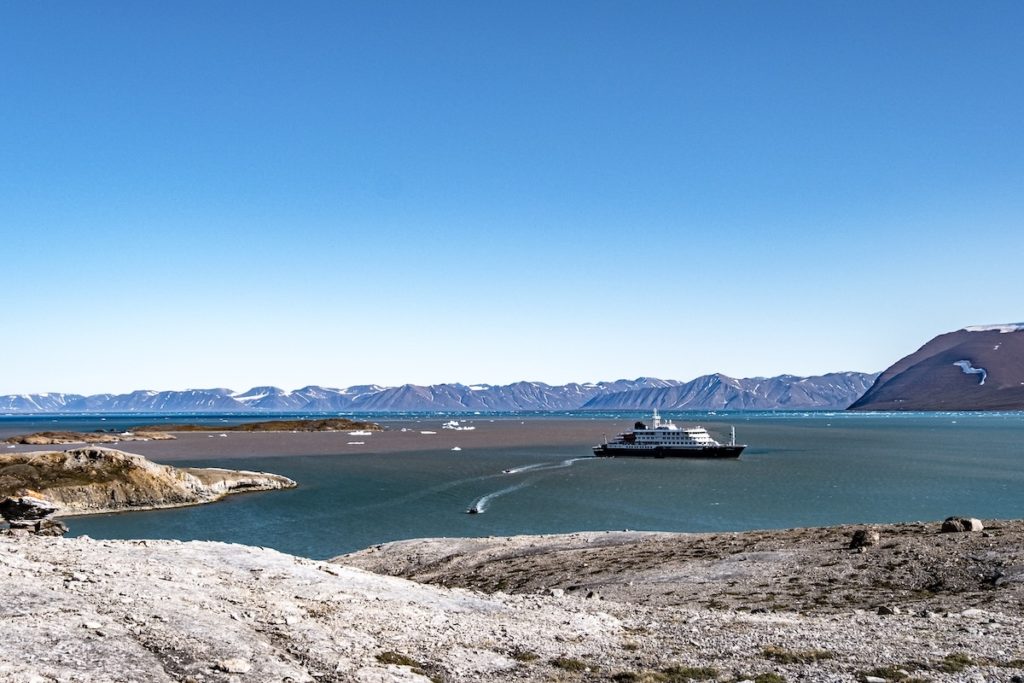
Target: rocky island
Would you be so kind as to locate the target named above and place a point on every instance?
(332, 424)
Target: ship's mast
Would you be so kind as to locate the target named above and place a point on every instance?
(657, 419)
(733, 442)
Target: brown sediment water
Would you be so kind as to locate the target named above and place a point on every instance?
(487, 433)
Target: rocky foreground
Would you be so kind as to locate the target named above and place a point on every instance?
(85, 610)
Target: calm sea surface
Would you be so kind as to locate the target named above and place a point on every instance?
(799, 470)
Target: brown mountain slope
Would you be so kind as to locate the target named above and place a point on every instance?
(976, 368)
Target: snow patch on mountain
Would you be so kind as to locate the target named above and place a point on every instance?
(969, 369)
(1003, 329)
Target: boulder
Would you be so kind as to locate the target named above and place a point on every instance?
(25, 508)
(955, 524)
(50, 527)
(863, 538)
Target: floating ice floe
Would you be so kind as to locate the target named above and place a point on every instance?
(356, 443)
(428, 432)
(360, 432)
(456, 448)
(969, 369)
(454, 424)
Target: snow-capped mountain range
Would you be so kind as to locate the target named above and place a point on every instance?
(710, 392)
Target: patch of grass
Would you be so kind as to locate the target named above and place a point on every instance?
(783, 656)
(1012, 664)
(644, 677)
(521, 655)
(680, 674)
(769, 677)
(630, 646)
(391, 657)
(954, 662)
(570, 664)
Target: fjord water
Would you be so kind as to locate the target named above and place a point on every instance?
(799, 470)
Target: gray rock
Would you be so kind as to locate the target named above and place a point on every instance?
(49, 527)
(23, 508)
(956, 524)
(863, 538)
(235, 665)
(886, 610)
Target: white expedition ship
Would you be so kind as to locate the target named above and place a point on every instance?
(666, 440)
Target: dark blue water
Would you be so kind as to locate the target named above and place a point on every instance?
(800, 470)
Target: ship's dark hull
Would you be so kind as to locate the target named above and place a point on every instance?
(608, 450)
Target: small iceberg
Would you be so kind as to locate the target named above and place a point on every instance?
(456, 448)
(454, 424)
(356, 443)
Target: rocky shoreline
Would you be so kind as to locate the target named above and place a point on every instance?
(87, 610)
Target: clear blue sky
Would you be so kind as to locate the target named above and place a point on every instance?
(236, 193)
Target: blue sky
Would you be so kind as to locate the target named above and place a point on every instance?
(237, 193)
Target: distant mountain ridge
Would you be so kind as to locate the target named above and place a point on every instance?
(976, 368)
(834, 391)
(710, 392)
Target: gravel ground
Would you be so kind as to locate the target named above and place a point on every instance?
(85, 610)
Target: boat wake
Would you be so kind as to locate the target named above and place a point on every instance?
(543, 466)
(480, 506)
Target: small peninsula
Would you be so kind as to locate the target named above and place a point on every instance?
(65, 438)
(94, 480)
